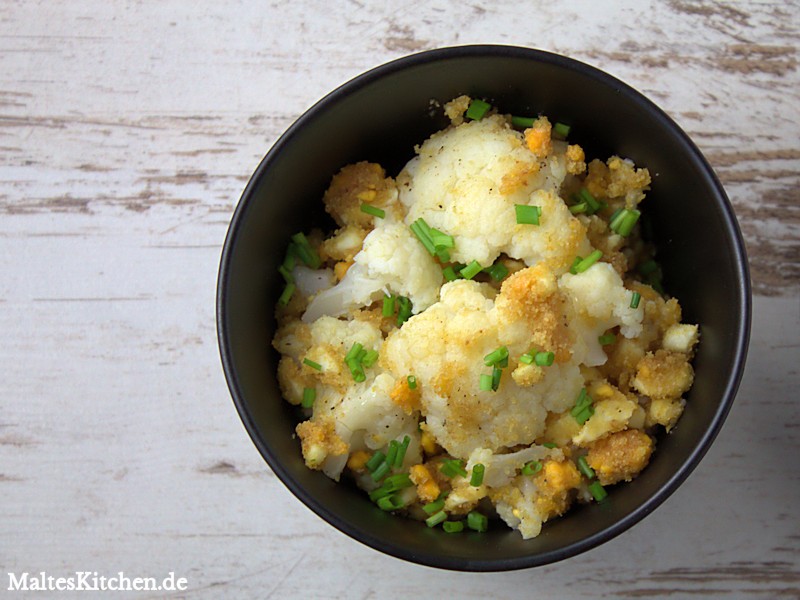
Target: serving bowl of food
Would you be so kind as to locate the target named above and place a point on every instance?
(483, 308)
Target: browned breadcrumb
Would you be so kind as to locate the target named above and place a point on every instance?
(620, 456)
(319, 440)
(455, 109)
(292, 379)
(663, 374)
(532, 296)
(537, 137)
(576, 159)
(427, 488)
(617, 178)
(343, 245)
(355, 184)
(518, 176)
(554, 483)
(659, 315)
(623, 356)
(404, 397)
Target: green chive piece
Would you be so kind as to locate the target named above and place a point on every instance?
(434, 507)
(370, 358)
(526, 358)
(357, 371)
(497, 373)
(402, 448)
(289, 261)
(471, 270)
(373, 210)
(616, 218)
(477, 475)
(561, 130)
(423, 232)
(443, 255)
(592, 204)
(453, 526)
(587, 262)
(388, 306)
(497, 271)
(377, 459)
(532, 467)
(635, 299)
(412, 382)
(309, 395)
(450, 273)
(578, 208)
(626, 225)
(550, 445)
(398, 481)
(584, 467)
(527, 215)
(391, 452)
(304, 250)
(477, 109)
(607, 339)
(544, 359)
(598, 491)
(496, 356)
(286, 295)
(354, 351)
(485, 383)
(477, 522)
(380, 492)
(286, 274)
(312, 364)
(383, 469)
(404, 310)
(390, 503)
(436, 518)
(575, 263)
(522, 122)
(583, 408)
(442, 240)
(453, 467)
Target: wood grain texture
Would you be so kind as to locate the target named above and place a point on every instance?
(127, 133)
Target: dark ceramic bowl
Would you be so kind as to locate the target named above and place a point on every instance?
(380, 116)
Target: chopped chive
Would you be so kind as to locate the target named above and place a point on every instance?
(383, 469)
(598, 491)
(550, 445)
(561, 130)
(648, 267)
(471, 270)
(373, 210)
(289, 261)
(312, 364)
(584, 415)
(453, 526)
(376, 461)
(477, 521)
(522, 122)
(370, 358)
(434, 507)
(304, 250)
(583, 409)
(635, 299)
(441, 240)
(286, 295)
(388, 305)
(450, 273)
(354, 351)
(627, 224)
(526, 358)
(286, 274)
(453, 467)
(585, 263)
(398, 481)
(477, 475)
(616, 218)
(390, 503)
(412, 382)
(357, 371)
(527, 215)
(485, 382)
(497, 373)
(477, 109)
(584, 467)
(544, 359)
(391, 452)
(436, 518)
(532, 467)
(402, 448)
(578, 208)
(380, 492)
(423, 232)
(443, 255)
(309, 395)
(592, 204)
(608, 338)
(575, 263)
(496, 356)
(404, 310)
(497, 271)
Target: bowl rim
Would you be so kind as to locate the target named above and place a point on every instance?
(743, 289)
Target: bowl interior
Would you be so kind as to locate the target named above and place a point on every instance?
(380, 116)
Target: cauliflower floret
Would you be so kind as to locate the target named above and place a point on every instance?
(391, 260)
(664, 374)
(465, 182)
(664, 411)
(620, 456)
(344, 244)
(601, 302)
(609, 416)
(617, 178)
(500, 469)
(319, 442)
(362, 182)
(680, 338)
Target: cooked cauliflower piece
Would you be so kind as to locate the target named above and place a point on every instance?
(664, 374)
(620, 456)
(680, 338)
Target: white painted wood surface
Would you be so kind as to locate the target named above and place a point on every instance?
(127, 133)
